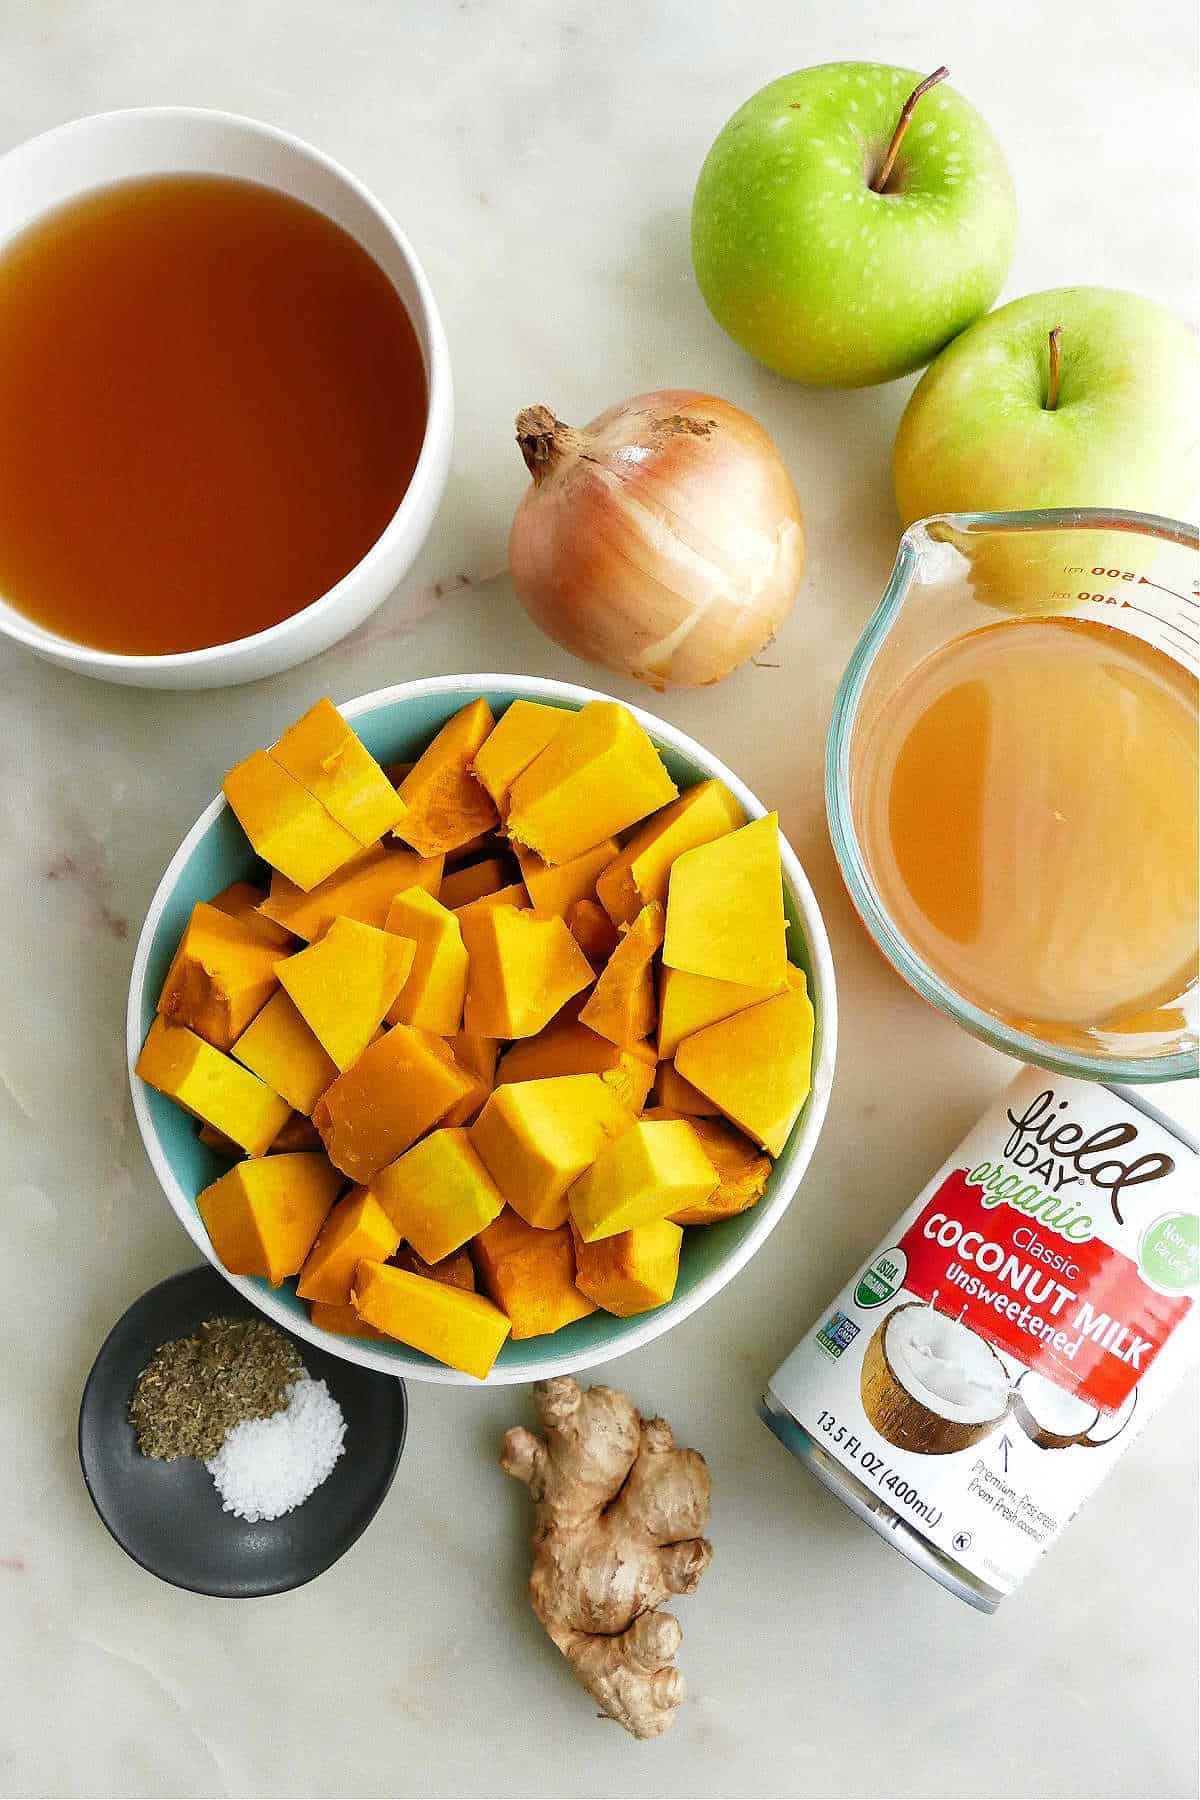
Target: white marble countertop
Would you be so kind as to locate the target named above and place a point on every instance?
(541, 155)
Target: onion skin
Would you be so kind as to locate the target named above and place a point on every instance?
(664, 540)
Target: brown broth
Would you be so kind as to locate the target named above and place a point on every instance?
(212, 401)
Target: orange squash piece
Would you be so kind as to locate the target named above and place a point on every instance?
(524, 966)
(446, 805)
(621, 1006)
(357, 1227)
(363, 890)
(530, 1274)
(264, 1215)
(641, 872)
(396, 1092)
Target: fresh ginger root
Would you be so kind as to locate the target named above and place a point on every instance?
(619, 1516)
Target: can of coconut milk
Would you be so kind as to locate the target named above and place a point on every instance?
(980, 1375)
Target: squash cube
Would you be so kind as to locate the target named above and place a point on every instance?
(438, 1194)
(324, 755)
(686, 1003)
(396, 1091)
(641, 872)
(598, 775)
(743, 1169)
(470, 915)
(621, 1005)
(241, 900)
(221, 975)
(555, 889)
(296, 1133)
(572, 1049)
(456, 1270)
(446, 805)
(211, 1086)
(432, 997)
(285, 825)
(649, 1172)
(757, 1065)
(472, 882)
(342, 1321)
(725, 908)
(363, 890)
(593, 930)
(524, 966)
(523, 733)
(633, 1271)
(537, 1137)
(263, 1216)
(671, 1090)
(283, 1051)
(530, 1275)
(464, 1330)
(476, 1056)
(474, 1090)
(357, 1228)
(344, 984)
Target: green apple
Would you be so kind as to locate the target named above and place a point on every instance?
(984, 432)
(812, 270)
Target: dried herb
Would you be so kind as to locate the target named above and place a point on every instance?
(195, 1389)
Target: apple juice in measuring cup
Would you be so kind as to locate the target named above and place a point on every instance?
(984, 1370)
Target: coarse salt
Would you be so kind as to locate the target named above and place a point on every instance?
(266, 1467)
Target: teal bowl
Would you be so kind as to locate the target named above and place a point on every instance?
(395, 724)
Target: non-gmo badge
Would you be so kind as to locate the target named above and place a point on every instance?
(883, 1279)
(1169, 1252)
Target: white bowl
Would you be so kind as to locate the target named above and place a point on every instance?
(396, 723)
(94, 152)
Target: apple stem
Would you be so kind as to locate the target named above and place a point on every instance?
(1052, 384)
(902, 124)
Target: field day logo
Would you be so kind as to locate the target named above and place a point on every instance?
(1048, 1155)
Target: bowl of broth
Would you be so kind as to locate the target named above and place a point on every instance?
(226, 406)
(1011, 780)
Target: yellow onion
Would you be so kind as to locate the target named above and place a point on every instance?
(664, 540)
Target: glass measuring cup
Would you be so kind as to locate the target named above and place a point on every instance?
(956, 576)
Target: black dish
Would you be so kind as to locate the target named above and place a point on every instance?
(167, 1515)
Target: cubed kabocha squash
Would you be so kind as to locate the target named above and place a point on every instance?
(474, 1089)
(521, 734)
(632, 1271)
(648, 1172)
(474, 881)
(467, 1331)
(446, 806)
(397, 1091)
(432, 996)
(263, 1216)
(438, 1194)
(530, 1274)
(282, 1050)
(743, 1168)
(456, 1270)
(324, 755)
(287, 827)
(477, 1055)
(642, 871)
(573, 1049)
(356, 1229)
(537, 1137)
(524, 966)
(622, 1004)
(555, 889)
(241, 900)
(670, 1089)
(597, 776)
(344, 985)
(725, 915)
(342, 1321)
(756, 1066)
(222, 974)
(364, 890)
(592, 930)
(686, 1003)
(212, 1087)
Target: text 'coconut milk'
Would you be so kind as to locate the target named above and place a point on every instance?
(985, 1369)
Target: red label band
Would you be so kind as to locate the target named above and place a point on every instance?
(1080, 1314)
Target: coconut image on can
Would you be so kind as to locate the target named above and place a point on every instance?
(1055, 1419)
(930, 1384)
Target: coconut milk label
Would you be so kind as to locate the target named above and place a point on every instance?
(986, 1368)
